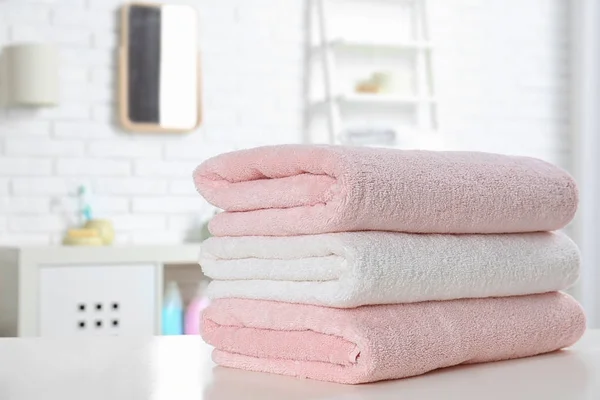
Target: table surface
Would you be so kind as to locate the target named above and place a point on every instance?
(158, 368)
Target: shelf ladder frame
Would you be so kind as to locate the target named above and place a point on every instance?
(426, 108)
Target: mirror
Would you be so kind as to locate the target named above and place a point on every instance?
(159, 68)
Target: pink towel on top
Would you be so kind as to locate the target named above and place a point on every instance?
(373, 343)
(309, 189)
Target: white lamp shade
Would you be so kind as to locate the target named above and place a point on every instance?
(30, 75)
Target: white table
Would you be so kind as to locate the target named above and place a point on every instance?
(170, 368)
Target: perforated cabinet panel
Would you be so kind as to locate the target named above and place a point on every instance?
(97, 300)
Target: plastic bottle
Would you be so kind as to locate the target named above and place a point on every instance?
(84, 196)
(172, 312)
(192, 314)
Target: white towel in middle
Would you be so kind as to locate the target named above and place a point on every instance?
(351, 269)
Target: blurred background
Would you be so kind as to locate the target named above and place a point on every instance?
(97, 143)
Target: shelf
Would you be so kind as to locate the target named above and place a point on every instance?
(375, 45)
(377, 99)
(163, 254)
(404, 138)
(382, 99)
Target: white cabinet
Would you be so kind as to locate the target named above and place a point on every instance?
(79, 291)
(97, 300)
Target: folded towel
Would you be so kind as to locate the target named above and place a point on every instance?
(303, 189)
(373, 343)
(357, 268)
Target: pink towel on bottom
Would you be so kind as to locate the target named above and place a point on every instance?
(373, 343)
(303, 189)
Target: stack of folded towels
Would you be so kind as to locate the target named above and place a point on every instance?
(357, 265)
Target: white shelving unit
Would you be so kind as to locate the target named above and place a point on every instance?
(83, 291)
(422, 103)
(341, 43)
(382, 99)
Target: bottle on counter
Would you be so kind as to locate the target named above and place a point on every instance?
(172, 312)
(193, 313)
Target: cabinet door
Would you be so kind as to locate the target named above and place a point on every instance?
(97, 300)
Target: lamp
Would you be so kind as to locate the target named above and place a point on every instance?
(29, 75)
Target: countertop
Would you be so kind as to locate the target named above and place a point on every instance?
(170, 368)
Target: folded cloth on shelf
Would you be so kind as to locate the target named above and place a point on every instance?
(373, 343)
(310, 189)
(357, 268)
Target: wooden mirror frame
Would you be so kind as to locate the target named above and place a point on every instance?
(123, 83)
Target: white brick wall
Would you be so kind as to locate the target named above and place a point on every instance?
(182, 186)
(124, 149)
(128, 222)
(35, 223)
(4, 184)
(11, 126)
(130, 186)
(166, 169)
(503, 75)
(500, 68)
(42, 147)
(41, 186)
(19, 166)
(168, 204)
(92, 167)
(25, 205)
(80, 129)
(142, 182)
